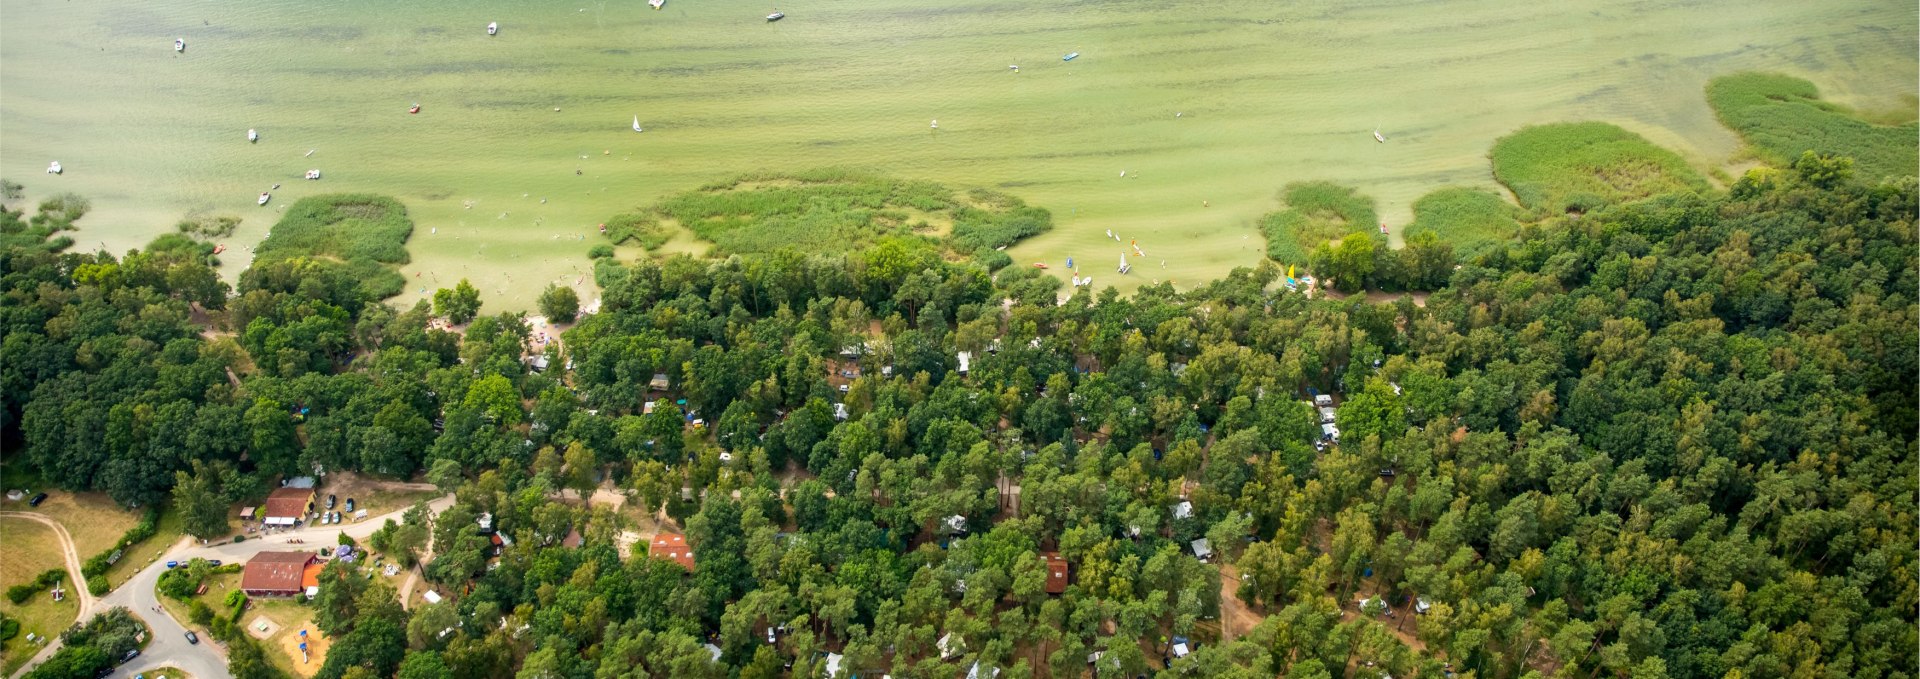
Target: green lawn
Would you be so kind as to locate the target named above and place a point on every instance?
(170, 529)
(1473, 220)
(30, 549)
(1577, 167)
(1781, 117)
(1316, 213)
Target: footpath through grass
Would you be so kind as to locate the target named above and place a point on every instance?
(1783, 116)
(27, 549)
(1316, 214)
(1473, 220)
(366, 233)
(1578, 167)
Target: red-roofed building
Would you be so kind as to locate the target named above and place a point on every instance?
(1056, 572)
(277, 573)
(288, 505)
(672, 547)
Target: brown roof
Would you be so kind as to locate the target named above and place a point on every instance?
(275, 572)
(289, 502)
(672, 547)
(1056, 573)
(310, 576)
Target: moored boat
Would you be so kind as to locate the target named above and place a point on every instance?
(656, 3)
(1379, 137)
(493, 28)
(636, 125)
(1070, 56)
(253, 135)
(179, 45)
(313, 174)
(776, 16)
(414, 109)
(264, 197)
(54, 168)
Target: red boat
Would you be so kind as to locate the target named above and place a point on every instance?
(415, 109)
(1039, 265)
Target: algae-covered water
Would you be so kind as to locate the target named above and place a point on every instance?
(1214, 102)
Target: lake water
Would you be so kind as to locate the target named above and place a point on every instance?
(1221, 101)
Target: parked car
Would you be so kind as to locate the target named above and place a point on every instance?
(330, 500)
(173, 564)
(214, 562)
(37, 499)
(349, 504)
(337, 518)
(135, 653)
(192, 638)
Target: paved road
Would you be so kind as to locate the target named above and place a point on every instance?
(207, 660)
(78, 586)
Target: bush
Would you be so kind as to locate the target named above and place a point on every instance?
(1578, 167)
(236, 600)
(346, 540)
(237, 539)
(1782, 117)
(217, 226)
(97, 585)
(643, 228)
(19, 594)
(9, 627)
(199, 612)
(559, 303)
(601, 251)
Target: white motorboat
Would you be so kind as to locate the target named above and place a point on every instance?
(54, 168)
(313, 174)
(253, 135)
(179, 45)
(636, 125)
(1379, 137)
(493, 28)
(264, 197)
(656, 3)
(936, 124)
(776, 16)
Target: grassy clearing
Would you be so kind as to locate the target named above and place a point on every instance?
(1317, 213)
(1473, 220)
(1783, 116)
(831, 211)
(30, 549)
(218, 586)
(368, 233)
(1576, 167)
(94, 521)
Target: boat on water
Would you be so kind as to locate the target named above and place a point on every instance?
(1039, 265)
(253, 135)
(493, 28)
(179, 45)
(636, 125)
(313, 174)
(54, 168)
(936, 124)
(656, 3)
(264, 197)
(414, 109)
(1379, 137)
(1124, 267)
(776, 16)
(1070, 56)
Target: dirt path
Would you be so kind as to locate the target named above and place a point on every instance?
(1235, 618)
(79, 585)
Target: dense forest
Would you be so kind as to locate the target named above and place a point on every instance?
(1667, 438)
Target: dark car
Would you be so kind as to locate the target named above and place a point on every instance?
(192, 638)
(349, 504)
(330, 500)
(37, 499)
(213, 562)
(135, 653)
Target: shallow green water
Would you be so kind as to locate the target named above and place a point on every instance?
(1267, 93)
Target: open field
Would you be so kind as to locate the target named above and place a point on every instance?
(30, 549)
(1266, 94)
(93, 519)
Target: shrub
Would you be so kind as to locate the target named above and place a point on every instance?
(213, 226)
(19, 594)
(1782, 117)
(237, 539)
(9, 627)
(601, 251)
(1578, 167)
(643, 228)
(97, 585)
(199, 612)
